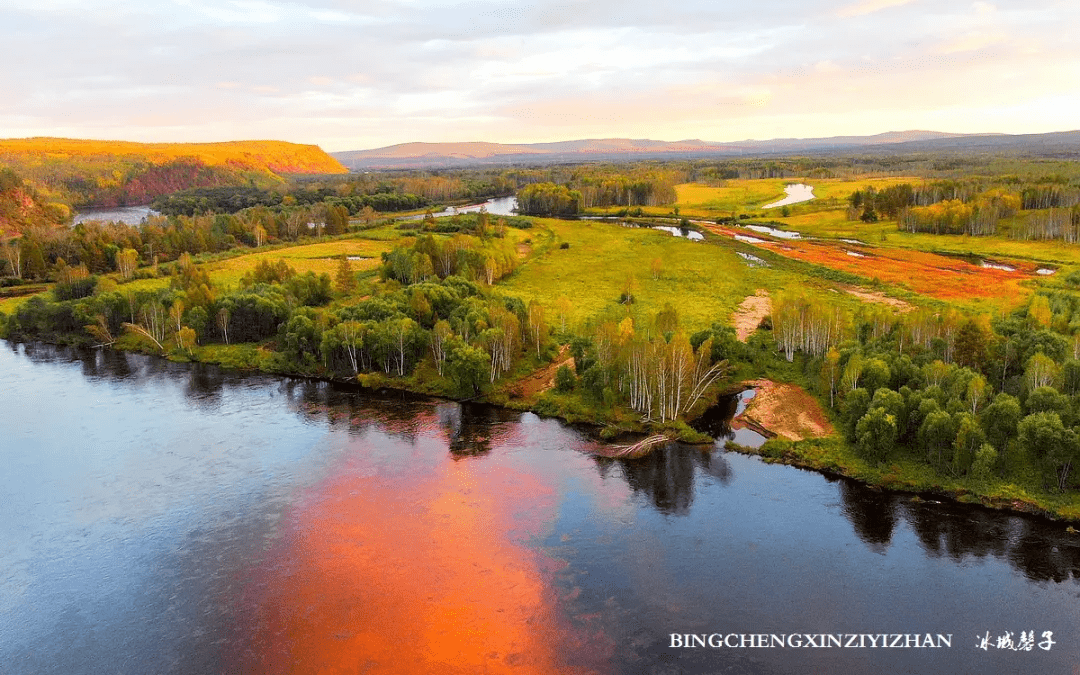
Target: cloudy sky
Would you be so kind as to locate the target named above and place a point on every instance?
(351, 74)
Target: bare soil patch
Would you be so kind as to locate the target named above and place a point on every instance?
(785, 410)
(750, 312)
(876, 296)
(542, 379)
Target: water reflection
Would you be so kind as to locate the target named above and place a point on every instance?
(872, 514)
(192, 520)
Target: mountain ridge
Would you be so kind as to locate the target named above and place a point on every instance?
(418, 154)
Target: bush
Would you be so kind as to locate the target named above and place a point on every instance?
(564, 379)
(75, 289)
(565, 245)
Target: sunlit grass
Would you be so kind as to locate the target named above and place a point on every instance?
(704, 281)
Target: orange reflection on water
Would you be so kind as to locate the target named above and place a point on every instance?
(425, 573)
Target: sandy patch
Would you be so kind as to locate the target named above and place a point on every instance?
(750, 312)
(785, 410)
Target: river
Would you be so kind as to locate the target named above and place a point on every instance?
(130, 215)
(177, 518)
(496, 206)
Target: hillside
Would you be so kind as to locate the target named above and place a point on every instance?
(20, 207)
(112, 173)
(473, 153)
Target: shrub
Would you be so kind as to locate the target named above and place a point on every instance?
(564, 379)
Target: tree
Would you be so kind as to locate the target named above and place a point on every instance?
(1039, 312)
(876, 435)
(126, 262)
(856, 403)
(985, 460)
(657, 267)
(937, 432)
(667, 319)
(978, 391)
(13, 254)
(1041, 371)
(852, 372)
(564, 379)
(368, 216)
(467, 367)
(223, 322)
(563, 306)
(830, 372)
(345, 280)
(999, 420)
(969, 438)
(1048, 399)
(972, 344)
(440, 336)
(537, 326)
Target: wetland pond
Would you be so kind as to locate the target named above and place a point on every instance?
(178, 518)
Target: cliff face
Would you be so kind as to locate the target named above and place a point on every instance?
(112, 173)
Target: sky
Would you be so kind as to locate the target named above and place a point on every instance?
(351, 75)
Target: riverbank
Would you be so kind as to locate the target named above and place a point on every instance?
(777, 415)
(833, 456)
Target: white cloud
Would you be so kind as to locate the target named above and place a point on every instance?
(351, 74)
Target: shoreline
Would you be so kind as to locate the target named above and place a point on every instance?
(776, 449)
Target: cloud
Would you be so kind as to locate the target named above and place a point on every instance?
(350, 74)
(869, 7)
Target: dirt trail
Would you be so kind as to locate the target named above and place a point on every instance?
(750, 312)
(786, 410)
(544, 378)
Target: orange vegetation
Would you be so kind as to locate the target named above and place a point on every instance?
(370, 576)
(276, 156)
(929, 274)
(785, 410)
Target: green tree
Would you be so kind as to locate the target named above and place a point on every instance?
(467, 367)
(937, 432)
(999, 420)
(564, 379)
(969, 438)
(855, 405)
(876, 435)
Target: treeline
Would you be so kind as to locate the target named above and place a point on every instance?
(231, 199)
(549, 199)
(967, 395)
(971, 207)
(467, 336)
(436, 186)
(98, 246)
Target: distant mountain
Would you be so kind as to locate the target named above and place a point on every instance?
(424, 155)
(109, 173)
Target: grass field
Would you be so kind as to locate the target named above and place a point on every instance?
(946, 278)
(704, 281)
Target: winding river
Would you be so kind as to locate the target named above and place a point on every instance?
(176, 518)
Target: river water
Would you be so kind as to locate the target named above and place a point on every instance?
(170, 518)
(496, 206)
(130, 215)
